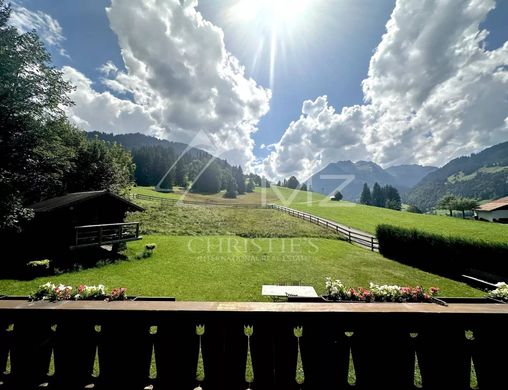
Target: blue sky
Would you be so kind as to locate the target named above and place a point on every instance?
(325, 50)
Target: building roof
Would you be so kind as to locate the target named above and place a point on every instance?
(494, 205)
(78, 197)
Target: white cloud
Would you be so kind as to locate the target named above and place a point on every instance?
(432, 93)
(102, 111)
(179, 70)
(47, 27)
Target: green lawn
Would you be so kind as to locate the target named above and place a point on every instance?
(231, 268)
(366, 218)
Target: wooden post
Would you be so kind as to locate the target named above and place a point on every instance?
(349, 235)
(372, 244)
(100, 235)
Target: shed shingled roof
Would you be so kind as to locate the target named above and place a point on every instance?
(494, 205)
(78, 197)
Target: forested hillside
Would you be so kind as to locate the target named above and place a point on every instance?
(480, 176)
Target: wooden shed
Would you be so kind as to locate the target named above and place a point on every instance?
(81, 219)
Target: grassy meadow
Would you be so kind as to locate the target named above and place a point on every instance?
(358, 216)
(232, 268)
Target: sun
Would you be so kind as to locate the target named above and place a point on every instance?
(272, 11)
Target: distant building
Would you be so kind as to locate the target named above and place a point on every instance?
(80, 220)
(495, 211)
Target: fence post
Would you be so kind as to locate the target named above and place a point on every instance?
(100, 235)
(349, 235)
(372, 244)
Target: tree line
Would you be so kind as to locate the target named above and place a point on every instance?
(42, 154)
(387, 196)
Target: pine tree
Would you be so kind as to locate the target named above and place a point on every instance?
(240, 181)
(378, 198)
(180, 179)
(293, 183)
(392, 198)
(230, 188)
(366, 197)
(250, 186)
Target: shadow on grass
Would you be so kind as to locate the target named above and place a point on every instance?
(72, 261)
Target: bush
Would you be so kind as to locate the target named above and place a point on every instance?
(38, 268)
(448, 256)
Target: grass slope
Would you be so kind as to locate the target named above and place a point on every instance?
(216, 220)
(228, 268)
(362, 217)
(366, 218)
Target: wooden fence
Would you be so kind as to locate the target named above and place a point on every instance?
(170, 345)
(366, 240)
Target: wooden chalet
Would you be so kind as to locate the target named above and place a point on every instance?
(495, 211)
(81, 219)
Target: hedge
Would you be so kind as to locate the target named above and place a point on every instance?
(443, 255)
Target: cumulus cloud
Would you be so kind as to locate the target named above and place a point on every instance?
(102, 111)
(433, 92)
(178, 70)
(48, 28)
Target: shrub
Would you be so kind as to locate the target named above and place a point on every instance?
(444, 255)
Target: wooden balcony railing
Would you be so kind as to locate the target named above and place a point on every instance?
(96, 235)
(137, 345)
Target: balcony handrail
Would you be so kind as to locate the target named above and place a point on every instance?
(106, 225)
(385, 343)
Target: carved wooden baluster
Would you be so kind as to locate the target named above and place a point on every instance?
(249, 369)
(200, 367)
(299, 374)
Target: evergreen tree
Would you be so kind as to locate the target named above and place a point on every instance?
(230, 188)
(392, 198)
(180, 177)
(250, 186)
(209, 181)
(279, 184)
(366, 197)
(240, 181)
(303, 187)
(293, 183)
(378, 198)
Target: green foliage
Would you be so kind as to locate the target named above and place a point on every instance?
(337, 196)
(250, 186)
(230, 188)
(209, 181)
(366, 197)
(292, 183)
(392, 198)
(41, 154)
(443, 255)
(378, 198)
(413, 209)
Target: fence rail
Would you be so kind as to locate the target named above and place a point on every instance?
(93, 235)
(352, 235)
(136, 345)
(172, 202)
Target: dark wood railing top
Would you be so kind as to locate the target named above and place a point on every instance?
(260, 307)
(107, 225)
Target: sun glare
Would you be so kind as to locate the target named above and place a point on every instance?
(274, 11)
